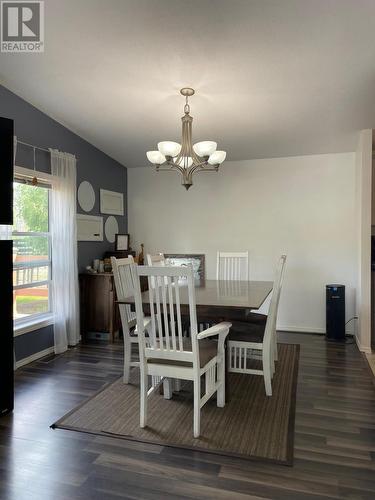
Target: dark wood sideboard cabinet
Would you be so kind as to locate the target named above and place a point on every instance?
(100, 317)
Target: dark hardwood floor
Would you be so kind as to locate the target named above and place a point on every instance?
(334, 441)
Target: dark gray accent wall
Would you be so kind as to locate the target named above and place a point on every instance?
(29, 343)
(34, 127)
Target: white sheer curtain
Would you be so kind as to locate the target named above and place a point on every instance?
(65, 298)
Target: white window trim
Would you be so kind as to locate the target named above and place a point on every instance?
(38, 321)
(30, 263)
(28, 172)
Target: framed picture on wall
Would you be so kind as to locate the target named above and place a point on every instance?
(111, 202)
(197, 260)
(121, 242)
(89, 228)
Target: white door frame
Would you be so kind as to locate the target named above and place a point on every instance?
(363, 204)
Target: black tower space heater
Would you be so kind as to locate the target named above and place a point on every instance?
(335, 312)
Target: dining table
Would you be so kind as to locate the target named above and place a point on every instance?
(217, 301)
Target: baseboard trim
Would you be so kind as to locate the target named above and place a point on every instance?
(370, 358)
(361, 347)
(34, 357)
(300, 329)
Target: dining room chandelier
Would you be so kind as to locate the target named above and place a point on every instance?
(187, 158)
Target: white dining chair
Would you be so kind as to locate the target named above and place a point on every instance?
(245, 338)
(232, 266)
(124, 290)
(158, 260)
(171, 355)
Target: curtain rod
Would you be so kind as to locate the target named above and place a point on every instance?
(36, 147)
(32, 146)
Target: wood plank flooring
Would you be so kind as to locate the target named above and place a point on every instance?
(334, 442)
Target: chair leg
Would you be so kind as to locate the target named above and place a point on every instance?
(127, 359)
(220, 396)
(167, 388)
(267, 372)
(143, 399)
(275, 351)
(177, 384)
(231, 354)
(273, 362)
(197, 409)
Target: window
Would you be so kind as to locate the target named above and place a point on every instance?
(31, 252)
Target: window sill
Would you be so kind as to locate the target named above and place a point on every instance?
(32, 325)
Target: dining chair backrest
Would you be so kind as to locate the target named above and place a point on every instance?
(275, 299)
(124, 287)
(232, 266)
(155, 260)
(165, 312)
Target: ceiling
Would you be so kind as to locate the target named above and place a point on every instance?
(273, 78)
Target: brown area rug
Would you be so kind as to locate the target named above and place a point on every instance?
(251, 425)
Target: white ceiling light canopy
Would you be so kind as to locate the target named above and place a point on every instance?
(187, 158)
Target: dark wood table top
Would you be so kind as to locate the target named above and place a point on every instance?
(222, 294)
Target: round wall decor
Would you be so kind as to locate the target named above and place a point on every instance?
(111, 228)
(86, 196)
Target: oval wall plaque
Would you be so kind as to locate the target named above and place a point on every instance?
(86, 196)
(111, 228)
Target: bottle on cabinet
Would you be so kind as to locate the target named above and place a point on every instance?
(141, 256)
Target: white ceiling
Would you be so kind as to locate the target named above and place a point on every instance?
(273, 78)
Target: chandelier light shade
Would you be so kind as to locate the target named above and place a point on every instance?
(217, 157)
(169, 148)
(187, 158)
(205, 148)
(155, 157)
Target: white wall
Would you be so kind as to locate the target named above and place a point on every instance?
(301, 206)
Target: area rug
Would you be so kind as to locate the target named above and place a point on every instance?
(251, 426)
